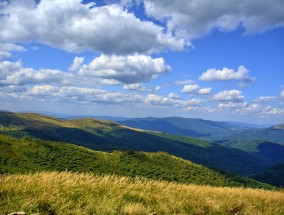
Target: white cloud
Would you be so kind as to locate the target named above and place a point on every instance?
(12, 73)
(190, 89)
(228, 74)
(6, 50)
(232, 105)
(158, 88)
(104, 70)
(136, 86)
(153, 99)
(4, 55)
(234, 96)
(71, 94)
(41, 90)
(171, 102)
(263, 99)
(184, 82)
(126, 69)
(261, 110)
(195, 89)
(273, 111)
(76, 64)
(173, 96)
(253, 108)
(205, 91)
(201, 109)
(74, 26)
(193, 19)
(282, 93)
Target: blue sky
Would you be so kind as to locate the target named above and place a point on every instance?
(219, 60)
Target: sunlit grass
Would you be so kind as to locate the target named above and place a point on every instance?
(83, 193)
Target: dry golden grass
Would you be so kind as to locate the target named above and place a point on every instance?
(77, 193)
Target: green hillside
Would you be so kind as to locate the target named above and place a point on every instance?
(268, 150)
(274, 175)
(28, 154)
(108, 136)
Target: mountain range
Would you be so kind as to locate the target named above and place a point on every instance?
(107, 135)
(245, 158)
(210, 130)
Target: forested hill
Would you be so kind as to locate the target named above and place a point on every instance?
(108, 136)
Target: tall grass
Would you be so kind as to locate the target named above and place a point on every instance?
(83, 193)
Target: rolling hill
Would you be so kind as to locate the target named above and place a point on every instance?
(31, 155)
(272, 151)
(108, 136)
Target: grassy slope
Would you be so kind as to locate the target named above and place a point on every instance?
(74, 193)
(106, 135)
(24, 155)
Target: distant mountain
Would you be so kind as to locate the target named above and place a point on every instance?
(30, 155)
(185, 126)
(245, 125)
(210, 130)
(273, 134)
(108, 136)
(280, 126)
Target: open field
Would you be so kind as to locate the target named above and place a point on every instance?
(83, 193)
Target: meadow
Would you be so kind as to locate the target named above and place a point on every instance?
(85, 193)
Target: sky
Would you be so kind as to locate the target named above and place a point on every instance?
(211, 59)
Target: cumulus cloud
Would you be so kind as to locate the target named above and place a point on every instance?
(74, 26)
(173, 96)
(76, 64)
(205, 91)
(126, 69)
(191, 19)
(195, 89)
(43, 90)
(103, 70)
(73, 94)
(282, 93)
(190, 89)
(169, 101)
(6, 50)
(12, 73)
(184, 82)
(234, 96)
(228, 74)
(232, 105)
(252, 108)
(273, 111)
(259, 109)
(136, 86)
(263, 99)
